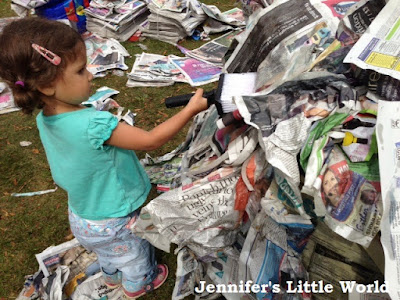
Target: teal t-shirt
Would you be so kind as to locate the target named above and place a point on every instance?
(102, 181)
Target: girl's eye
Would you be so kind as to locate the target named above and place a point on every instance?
(81, 71)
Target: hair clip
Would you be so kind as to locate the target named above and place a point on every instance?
(47, 54)
(19, 82)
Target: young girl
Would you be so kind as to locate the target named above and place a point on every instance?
(89, 151)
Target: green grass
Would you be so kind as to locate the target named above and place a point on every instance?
(28, 225)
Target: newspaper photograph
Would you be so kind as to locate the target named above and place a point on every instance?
(377, 49)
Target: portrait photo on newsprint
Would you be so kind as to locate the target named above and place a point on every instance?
(200, 149)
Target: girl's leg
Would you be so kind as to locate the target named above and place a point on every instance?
(117, 249)
(140, 274)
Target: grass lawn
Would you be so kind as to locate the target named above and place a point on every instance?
(28, 225)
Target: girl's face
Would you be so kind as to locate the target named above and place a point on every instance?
(330, 187)
(74, 86)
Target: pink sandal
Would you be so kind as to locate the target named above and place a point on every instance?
(156, 283)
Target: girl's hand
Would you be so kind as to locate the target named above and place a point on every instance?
(197, 103)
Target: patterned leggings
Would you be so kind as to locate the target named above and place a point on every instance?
(117, 248)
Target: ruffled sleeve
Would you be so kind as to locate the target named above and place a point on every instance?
(101, 126)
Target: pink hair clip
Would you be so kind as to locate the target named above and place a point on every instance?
(19, 82)
(47, 54)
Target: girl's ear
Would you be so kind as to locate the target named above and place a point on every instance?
(48, 90)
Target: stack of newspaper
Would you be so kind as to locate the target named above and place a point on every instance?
(118, 19)
(171, 20)
(22, 7)
(158, 70)
(153, 70)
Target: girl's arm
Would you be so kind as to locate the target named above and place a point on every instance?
(134, 138)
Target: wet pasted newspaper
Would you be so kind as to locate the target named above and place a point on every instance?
(282, 41)
(347, 194)
(378, 47)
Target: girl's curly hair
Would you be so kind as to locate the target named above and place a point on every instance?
(20, 62)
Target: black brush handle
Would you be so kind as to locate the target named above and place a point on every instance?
(182, 100)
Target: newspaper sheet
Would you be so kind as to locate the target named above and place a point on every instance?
(233, 16)
(185, 21)
(52, 257)
(172, 5)
(214, 51)
(351, 204)
(377, 49)
(388, 138)
(357, 20)
(29, 4)
(6, 99)
(186, 269)
(95, 288)
(197, 72)
(104, 54)
(107, 3)
(211, 26)
(201, 213)
(122, 33)
(6, 21)
(115, 21)
(268, 260)
(282, 41)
